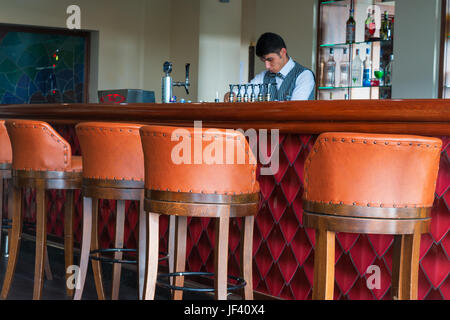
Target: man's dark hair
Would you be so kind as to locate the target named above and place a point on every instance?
(269, 43)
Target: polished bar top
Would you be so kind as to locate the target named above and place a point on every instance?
(427, 116)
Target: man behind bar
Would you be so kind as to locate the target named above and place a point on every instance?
(293, 81)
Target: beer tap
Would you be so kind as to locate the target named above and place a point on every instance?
(167, 82)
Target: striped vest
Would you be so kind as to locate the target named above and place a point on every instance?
(287, 86)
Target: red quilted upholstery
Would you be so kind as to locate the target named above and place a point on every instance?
(283, 248)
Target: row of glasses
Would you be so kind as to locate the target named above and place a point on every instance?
(263, 93)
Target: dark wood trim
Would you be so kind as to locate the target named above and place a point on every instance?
(201, 197)
(442, 48)
(365, 225)
(251, 61)
(49, 179)
(6, 27)
(319, 41)
(202, 210)
(5, 166)
(87, 68)
(121, 184)
(365, 212)
(425, 116)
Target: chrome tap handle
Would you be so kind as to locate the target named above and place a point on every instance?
(186, 83)
(167, 67)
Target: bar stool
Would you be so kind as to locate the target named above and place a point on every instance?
(113, 168)
(184, 179)
(370, 183)
(5, 173)
(42, 160)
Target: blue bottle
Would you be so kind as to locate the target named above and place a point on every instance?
(367, 73)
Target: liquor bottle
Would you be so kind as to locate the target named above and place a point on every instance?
(369, 28)
(350, 28)
(385, 28)
(388, 72)
(367, 73)
(357, 70)
(344, 67)
(322, 72)
(330, 70)
(392, 28)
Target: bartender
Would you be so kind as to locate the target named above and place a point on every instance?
(293, 81)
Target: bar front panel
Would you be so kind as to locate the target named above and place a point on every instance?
(283, 250)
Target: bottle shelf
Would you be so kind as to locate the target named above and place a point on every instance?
(331, 45)
(344, 3)
(352, 87)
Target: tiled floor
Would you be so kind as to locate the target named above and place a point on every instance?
(22, 286)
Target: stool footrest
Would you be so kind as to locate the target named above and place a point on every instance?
(240, 282)
(6, 223)
(110, 260)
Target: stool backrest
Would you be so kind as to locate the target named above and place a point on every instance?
(111, 151)
(372, 170)
(37, 146)
(198, 160)
(5, 144)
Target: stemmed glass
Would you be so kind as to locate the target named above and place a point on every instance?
(379, 75)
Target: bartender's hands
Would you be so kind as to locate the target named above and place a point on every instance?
(226, 97)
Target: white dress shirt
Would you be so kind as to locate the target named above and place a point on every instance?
(303, 85)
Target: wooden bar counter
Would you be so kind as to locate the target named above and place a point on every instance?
(283, 248)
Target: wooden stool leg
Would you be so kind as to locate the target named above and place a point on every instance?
(171, 245)
(41, 240)
(405, 266)
(1, 207)
(68, 236)
(152, 255)
(96, 264)
(14, 240)
(118, 243)
(323, 287)
(221, 257)
(180, 254)
(10, 209)
(142, 248)
(47, 269)
(247, 256)
(85, 247)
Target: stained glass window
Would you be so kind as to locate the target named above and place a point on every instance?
(39, 67)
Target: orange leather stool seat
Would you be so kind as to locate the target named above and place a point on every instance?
(41, 159)
(113, 168)
(5, 174)
(370, 183)
(193, 172)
